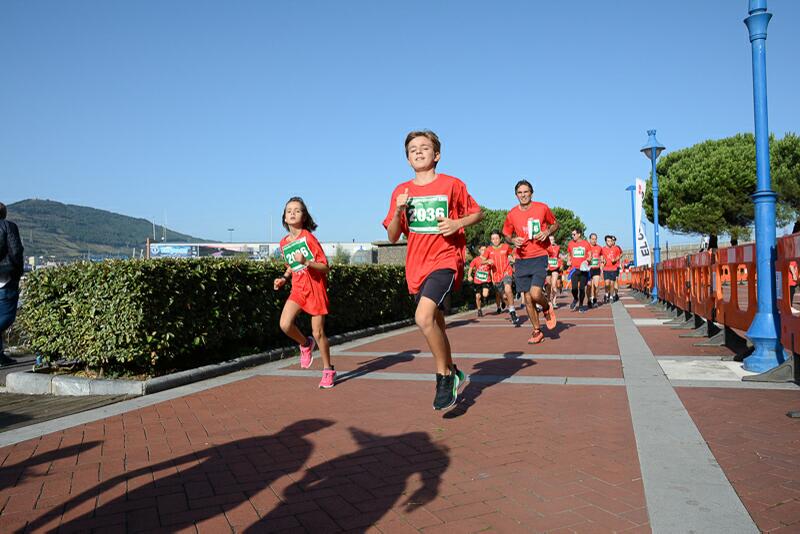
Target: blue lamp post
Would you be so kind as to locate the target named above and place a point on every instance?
(764, 329)
(652, 150)
(632, 189)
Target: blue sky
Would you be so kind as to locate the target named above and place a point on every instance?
(214, 113)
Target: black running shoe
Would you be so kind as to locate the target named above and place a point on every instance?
(446, 389)
(616, 298)
(514, 319)
(480, 313)
(573, 304)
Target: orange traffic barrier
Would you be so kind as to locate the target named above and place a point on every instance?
(788, 252)
(701, 286)
(739, 308)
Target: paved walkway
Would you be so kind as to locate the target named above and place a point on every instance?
(583, 433)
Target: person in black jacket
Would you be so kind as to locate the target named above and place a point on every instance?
(10, 273)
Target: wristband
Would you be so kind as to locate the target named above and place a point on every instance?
(286, 277)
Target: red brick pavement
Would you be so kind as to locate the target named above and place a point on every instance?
(274, 452)
(757, 446)
(407, 363)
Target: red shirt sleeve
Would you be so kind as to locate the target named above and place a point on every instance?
(465, 204)
(316, 249)
(549, 218)
(390, 214)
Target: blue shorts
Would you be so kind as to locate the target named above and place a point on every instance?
(530, 272)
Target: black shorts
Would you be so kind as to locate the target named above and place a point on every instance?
(530, 272)
(610, 275)
(437, 286)
(595, 272)
(486, 286)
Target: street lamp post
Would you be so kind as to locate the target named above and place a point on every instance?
(632, 189)
(230, 234)
(763, 331)
(652, 150)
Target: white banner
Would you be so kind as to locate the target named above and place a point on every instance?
(642, 248)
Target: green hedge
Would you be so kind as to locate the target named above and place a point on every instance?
(153, 317)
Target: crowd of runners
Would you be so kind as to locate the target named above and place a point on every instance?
(584, 267)
(432, 210)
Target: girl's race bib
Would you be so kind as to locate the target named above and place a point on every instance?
(481, 276)
(289, 250)
(595, 262)
(552, 262)
(424, 213)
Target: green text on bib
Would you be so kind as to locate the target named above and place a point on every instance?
(578, 252)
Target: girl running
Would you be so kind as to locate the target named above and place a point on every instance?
(307, 267)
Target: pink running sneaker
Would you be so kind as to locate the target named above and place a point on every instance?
(306, 356)
(328, 379)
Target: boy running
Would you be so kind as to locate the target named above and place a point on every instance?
(553, 269)
(432, 210)
(611, 256)
(595, 256)
(579, 253)
(478, 274)
(498, 256)
(528, 226)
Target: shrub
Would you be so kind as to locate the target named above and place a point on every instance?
(140, 316)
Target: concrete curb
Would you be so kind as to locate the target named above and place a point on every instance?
(31, 383)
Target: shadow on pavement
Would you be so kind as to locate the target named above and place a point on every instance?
(382, 463)
(485, 377)
(235, 470)
(39, 464)
(377, 364)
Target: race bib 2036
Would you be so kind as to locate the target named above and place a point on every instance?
(289, 250)
(578, 252)
(424, 212)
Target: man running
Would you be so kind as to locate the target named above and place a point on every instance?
(553, 269)
(480, 276)
(498, 256)
(595, 271)
(528, 227)
(612, 254)
(579, 253)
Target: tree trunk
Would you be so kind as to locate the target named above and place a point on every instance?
(734, 241)
(712, 242)
(796, 227)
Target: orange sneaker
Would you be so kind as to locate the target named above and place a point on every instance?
(550, 318)
(536, 337)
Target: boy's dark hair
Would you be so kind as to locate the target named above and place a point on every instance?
(432, 137)
(496, 232)
(593, 234)
(523, 182)
(609, 236)
(2, 211)
(308, 220)
(578, 230)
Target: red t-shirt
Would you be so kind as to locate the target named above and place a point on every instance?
(428, 250)
(578, 252)
(526, 224)
(501, 266)
(480, 272)
(309, 286)
(595, 253)
(612, 256)
(553, 261)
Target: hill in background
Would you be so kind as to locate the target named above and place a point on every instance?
(68, 232)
